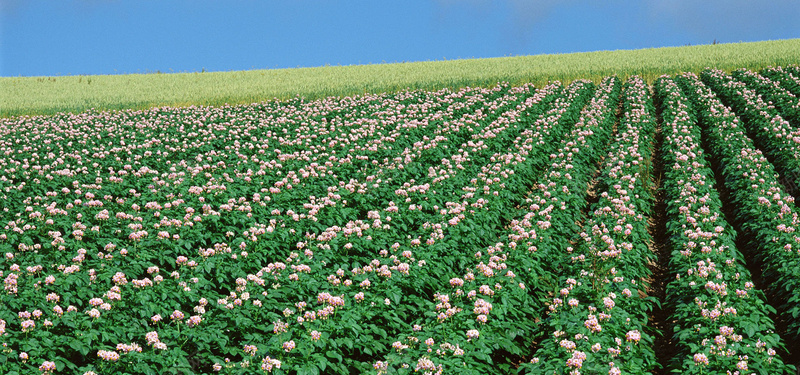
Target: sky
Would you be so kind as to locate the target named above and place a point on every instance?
(81, 37)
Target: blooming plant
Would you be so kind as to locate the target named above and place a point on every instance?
(772, 134)
(788, 77)
(772, 92)
(455, 231)
(721, 320)
(767, 215)
(597, 320)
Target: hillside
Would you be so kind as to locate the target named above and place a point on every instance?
(47, 95)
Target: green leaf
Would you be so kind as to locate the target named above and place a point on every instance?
(333, 354)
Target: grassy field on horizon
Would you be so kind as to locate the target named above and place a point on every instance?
(48, 95)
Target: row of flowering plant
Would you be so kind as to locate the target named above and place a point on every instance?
(766, 213)
(380, 293)
(721, 320)
(548, 219)
(771, 133)
(598, 319)
(318, 176)
(167, 231)
(783, 75)
(390, 292)
(483, 317)
(773, 93)
(555, 205)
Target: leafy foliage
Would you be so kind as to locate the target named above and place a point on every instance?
(470, 231)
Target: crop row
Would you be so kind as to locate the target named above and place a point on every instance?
(771, 132)
(773, 93)
(766, 214)
(205, 267)
(597, 321)
(558, 200)
(790, 82)
(498, 308)
(234, 272)
(721, 321)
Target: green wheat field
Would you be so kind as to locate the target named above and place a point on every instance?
(48, 95)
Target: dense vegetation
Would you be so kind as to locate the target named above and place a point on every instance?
(509, 229)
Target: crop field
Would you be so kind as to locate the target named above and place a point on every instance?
(607, 226)
(49, 95)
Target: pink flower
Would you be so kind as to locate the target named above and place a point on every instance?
(47, 367)
(152, 337)
(250, 349)
(577, 359)
(267, 364)
(634, 336)
(176, 315)
(700, 359)
(381, 366)
(52, 297)
(119, 278)
(108, 355)
(94, 313)
(127, 348)
(194, 320)
(27, 325)
(567, 344)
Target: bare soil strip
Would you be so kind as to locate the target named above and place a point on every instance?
(660, 317)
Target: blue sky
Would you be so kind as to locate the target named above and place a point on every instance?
(69, 37)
